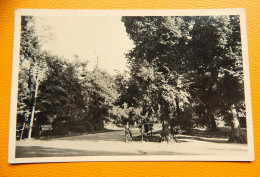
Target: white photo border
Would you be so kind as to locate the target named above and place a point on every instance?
(180, 12)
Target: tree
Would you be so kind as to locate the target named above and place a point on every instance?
(100, 94)
(32, 67)
(200, 53)
(61, 96)
(219, 63)
(161, 71)
(67, 92)
(37, 71)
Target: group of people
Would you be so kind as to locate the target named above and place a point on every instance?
(168, 132)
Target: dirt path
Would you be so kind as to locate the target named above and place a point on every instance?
(112, 142)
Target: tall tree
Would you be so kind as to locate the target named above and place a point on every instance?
(219, 63)
(100, 94)
(32, 62)
(201, 53)
(155, 40)
(61, 96)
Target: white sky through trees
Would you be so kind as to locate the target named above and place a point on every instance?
(87, 37)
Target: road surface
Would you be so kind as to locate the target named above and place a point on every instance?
(111, 142)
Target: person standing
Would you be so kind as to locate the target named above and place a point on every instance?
(128, 133)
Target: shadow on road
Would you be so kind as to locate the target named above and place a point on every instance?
(118, 135)
(38, 151)
(200, 135)
(223, 132)
(220, 136)
(211, 140)
(153, 138)
(75, 135)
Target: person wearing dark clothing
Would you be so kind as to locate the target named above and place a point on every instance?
(128, 133)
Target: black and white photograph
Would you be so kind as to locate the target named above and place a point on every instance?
(130, 85)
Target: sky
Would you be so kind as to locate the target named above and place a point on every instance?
(87, 37)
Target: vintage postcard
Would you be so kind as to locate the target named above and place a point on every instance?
(130, 85)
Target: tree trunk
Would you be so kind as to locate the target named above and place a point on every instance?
(33, 110)
(213, 125)
(142, 133)
(22, 130)
(210, 121)
(177, 109)
(236, 135)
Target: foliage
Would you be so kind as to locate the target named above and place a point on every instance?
(184, 71)
(60, 93)
(99, 94)
(198, 60)
(32, 67)
(54, 91)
